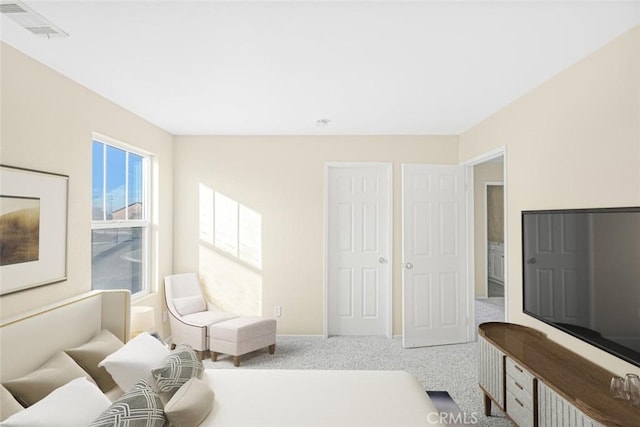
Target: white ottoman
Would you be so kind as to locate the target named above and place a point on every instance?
(240, 336)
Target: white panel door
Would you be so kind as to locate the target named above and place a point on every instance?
(434, 280)
(556, 263)
(359, 247)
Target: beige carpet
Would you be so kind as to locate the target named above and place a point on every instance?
(451, 368)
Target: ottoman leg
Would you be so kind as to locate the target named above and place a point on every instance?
(214, 356)
(236, 361)
(272, 348)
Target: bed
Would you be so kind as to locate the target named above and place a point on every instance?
(252, 397)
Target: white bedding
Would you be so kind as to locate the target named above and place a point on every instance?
(243, 397)
(308, 398)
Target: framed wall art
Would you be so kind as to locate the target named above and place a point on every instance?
(33, 228)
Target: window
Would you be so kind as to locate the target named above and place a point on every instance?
(120, 225)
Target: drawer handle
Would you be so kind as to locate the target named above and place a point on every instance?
(518, 368)
(519, 386)
(519, 403)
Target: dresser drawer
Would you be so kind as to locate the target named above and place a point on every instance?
(519, 392)
(521, 377)
(518, 412)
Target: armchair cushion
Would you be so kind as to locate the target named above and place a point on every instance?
(189, 315)
(190, 304)
(206, 318)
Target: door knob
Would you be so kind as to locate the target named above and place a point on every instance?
(532, 261)
(408, 266)
(382, 260)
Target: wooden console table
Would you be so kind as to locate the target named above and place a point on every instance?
(537, 382)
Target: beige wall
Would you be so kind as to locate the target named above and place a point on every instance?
(573, 142)
(482, 174)
(495, 213)
(282, 178)
(47, 124)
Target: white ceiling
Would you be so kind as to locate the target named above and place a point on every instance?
(267, 68)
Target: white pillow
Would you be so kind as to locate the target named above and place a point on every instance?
(77, 403)
(135, 360)
(188, 305)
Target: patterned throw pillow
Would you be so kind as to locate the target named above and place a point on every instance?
(138, 407)
(177, 368)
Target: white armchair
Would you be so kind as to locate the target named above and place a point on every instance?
(189, 317)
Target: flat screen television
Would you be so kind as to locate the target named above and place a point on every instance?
(581, 274)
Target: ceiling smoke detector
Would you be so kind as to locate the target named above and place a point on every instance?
(30, 19)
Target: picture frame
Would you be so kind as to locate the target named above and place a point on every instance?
(33, 228)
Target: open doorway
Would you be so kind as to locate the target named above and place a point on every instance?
(487, 209)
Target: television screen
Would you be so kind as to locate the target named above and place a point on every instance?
(581, 274)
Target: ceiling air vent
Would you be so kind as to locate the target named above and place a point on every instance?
(11, 8)
(30, 19)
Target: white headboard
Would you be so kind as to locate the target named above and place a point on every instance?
(30, 339)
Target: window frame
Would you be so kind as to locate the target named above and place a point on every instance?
(144, 222)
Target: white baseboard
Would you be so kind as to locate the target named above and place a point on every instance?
(299, 336)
